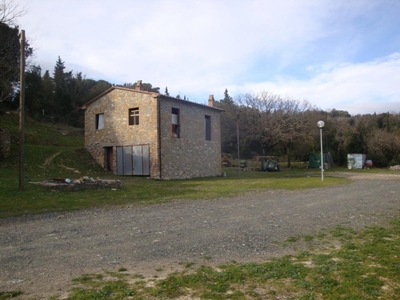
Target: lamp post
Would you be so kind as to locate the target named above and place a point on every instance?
(321, 125)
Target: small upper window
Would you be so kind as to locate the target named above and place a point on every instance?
(175, 123)
(99, 121)
(208, 128)
(134, 116)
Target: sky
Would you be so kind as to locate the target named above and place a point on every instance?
(342, 54)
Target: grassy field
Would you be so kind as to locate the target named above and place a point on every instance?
(35, 199)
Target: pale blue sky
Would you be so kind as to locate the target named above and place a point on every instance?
(342, 54)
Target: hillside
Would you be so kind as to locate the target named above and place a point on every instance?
(42, 133)
(51, 150)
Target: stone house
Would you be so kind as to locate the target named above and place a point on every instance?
(135, 132)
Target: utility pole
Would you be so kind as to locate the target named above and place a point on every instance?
(237, 138)
(21, 111)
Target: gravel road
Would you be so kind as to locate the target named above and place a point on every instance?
(41, 254)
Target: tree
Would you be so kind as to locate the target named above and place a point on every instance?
(293, 123)
(94, 88)
(256, 119)
(9, 61)
(229, 120)
(10, 12)
(34, 90)
(10, 50)
(276, 124)
(383, 148)
(145, 87)
(47, 101)
(62, 89)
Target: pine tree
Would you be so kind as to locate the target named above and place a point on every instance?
(62, 81)
(33, 90)
(48, 105)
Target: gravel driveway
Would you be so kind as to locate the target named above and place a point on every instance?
(41, 254)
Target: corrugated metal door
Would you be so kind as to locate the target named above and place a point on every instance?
(133, 160)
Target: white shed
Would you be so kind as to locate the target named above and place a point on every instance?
(355, 160)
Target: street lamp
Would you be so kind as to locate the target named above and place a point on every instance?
(321, 125)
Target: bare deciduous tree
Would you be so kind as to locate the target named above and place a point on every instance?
(294, 121)
(10, 12)
(274, 121)
(256, 118)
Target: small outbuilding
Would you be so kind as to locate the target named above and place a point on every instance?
(355, 161)
(314, 160)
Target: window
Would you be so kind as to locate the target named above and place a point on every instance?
(175, 123)
(99, 121)
(208, 128)
(134, 116)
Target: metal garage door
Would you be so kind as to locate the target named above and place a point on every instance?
(133, 160)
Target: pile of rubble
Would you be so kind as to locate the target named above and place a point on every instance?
(66, 184)
(396, 167)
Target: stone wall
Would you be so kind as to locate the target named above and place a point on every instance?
(190, 155)
(115, 106)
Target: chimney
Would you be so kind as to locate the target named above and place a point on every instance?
(139, 85)
(211, 101)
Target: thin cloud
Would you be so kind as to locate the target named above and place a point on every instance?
(339, 51)
(358, 88)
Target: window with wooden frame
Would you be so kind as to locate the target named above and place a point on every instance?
(208, 128)
(175, 123)
(100, 121)
(134, 116)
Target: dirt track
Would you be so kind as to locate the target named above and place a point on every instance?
(41, 254)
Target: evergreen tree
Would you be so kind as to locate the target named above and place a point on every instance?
(62, 83)
(229, 119)
(47, 101)
(10, 60)
(33, 91)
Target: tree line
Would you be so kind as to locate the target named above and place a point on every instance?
(271, 125)
(266, 124)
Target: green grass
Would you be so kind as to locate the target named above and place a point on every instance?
(137, 190)
(9, 294)
(365, 265)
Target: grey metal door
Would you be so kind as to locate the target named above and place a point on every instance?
(133, 160)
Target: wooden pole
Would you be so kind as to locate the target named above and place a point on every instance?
(22, 112)
(238, 143)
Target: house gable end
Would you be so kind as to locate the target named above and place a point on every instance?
(116, 88)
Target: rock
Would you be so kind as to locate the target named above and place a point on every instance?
(73, 185)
